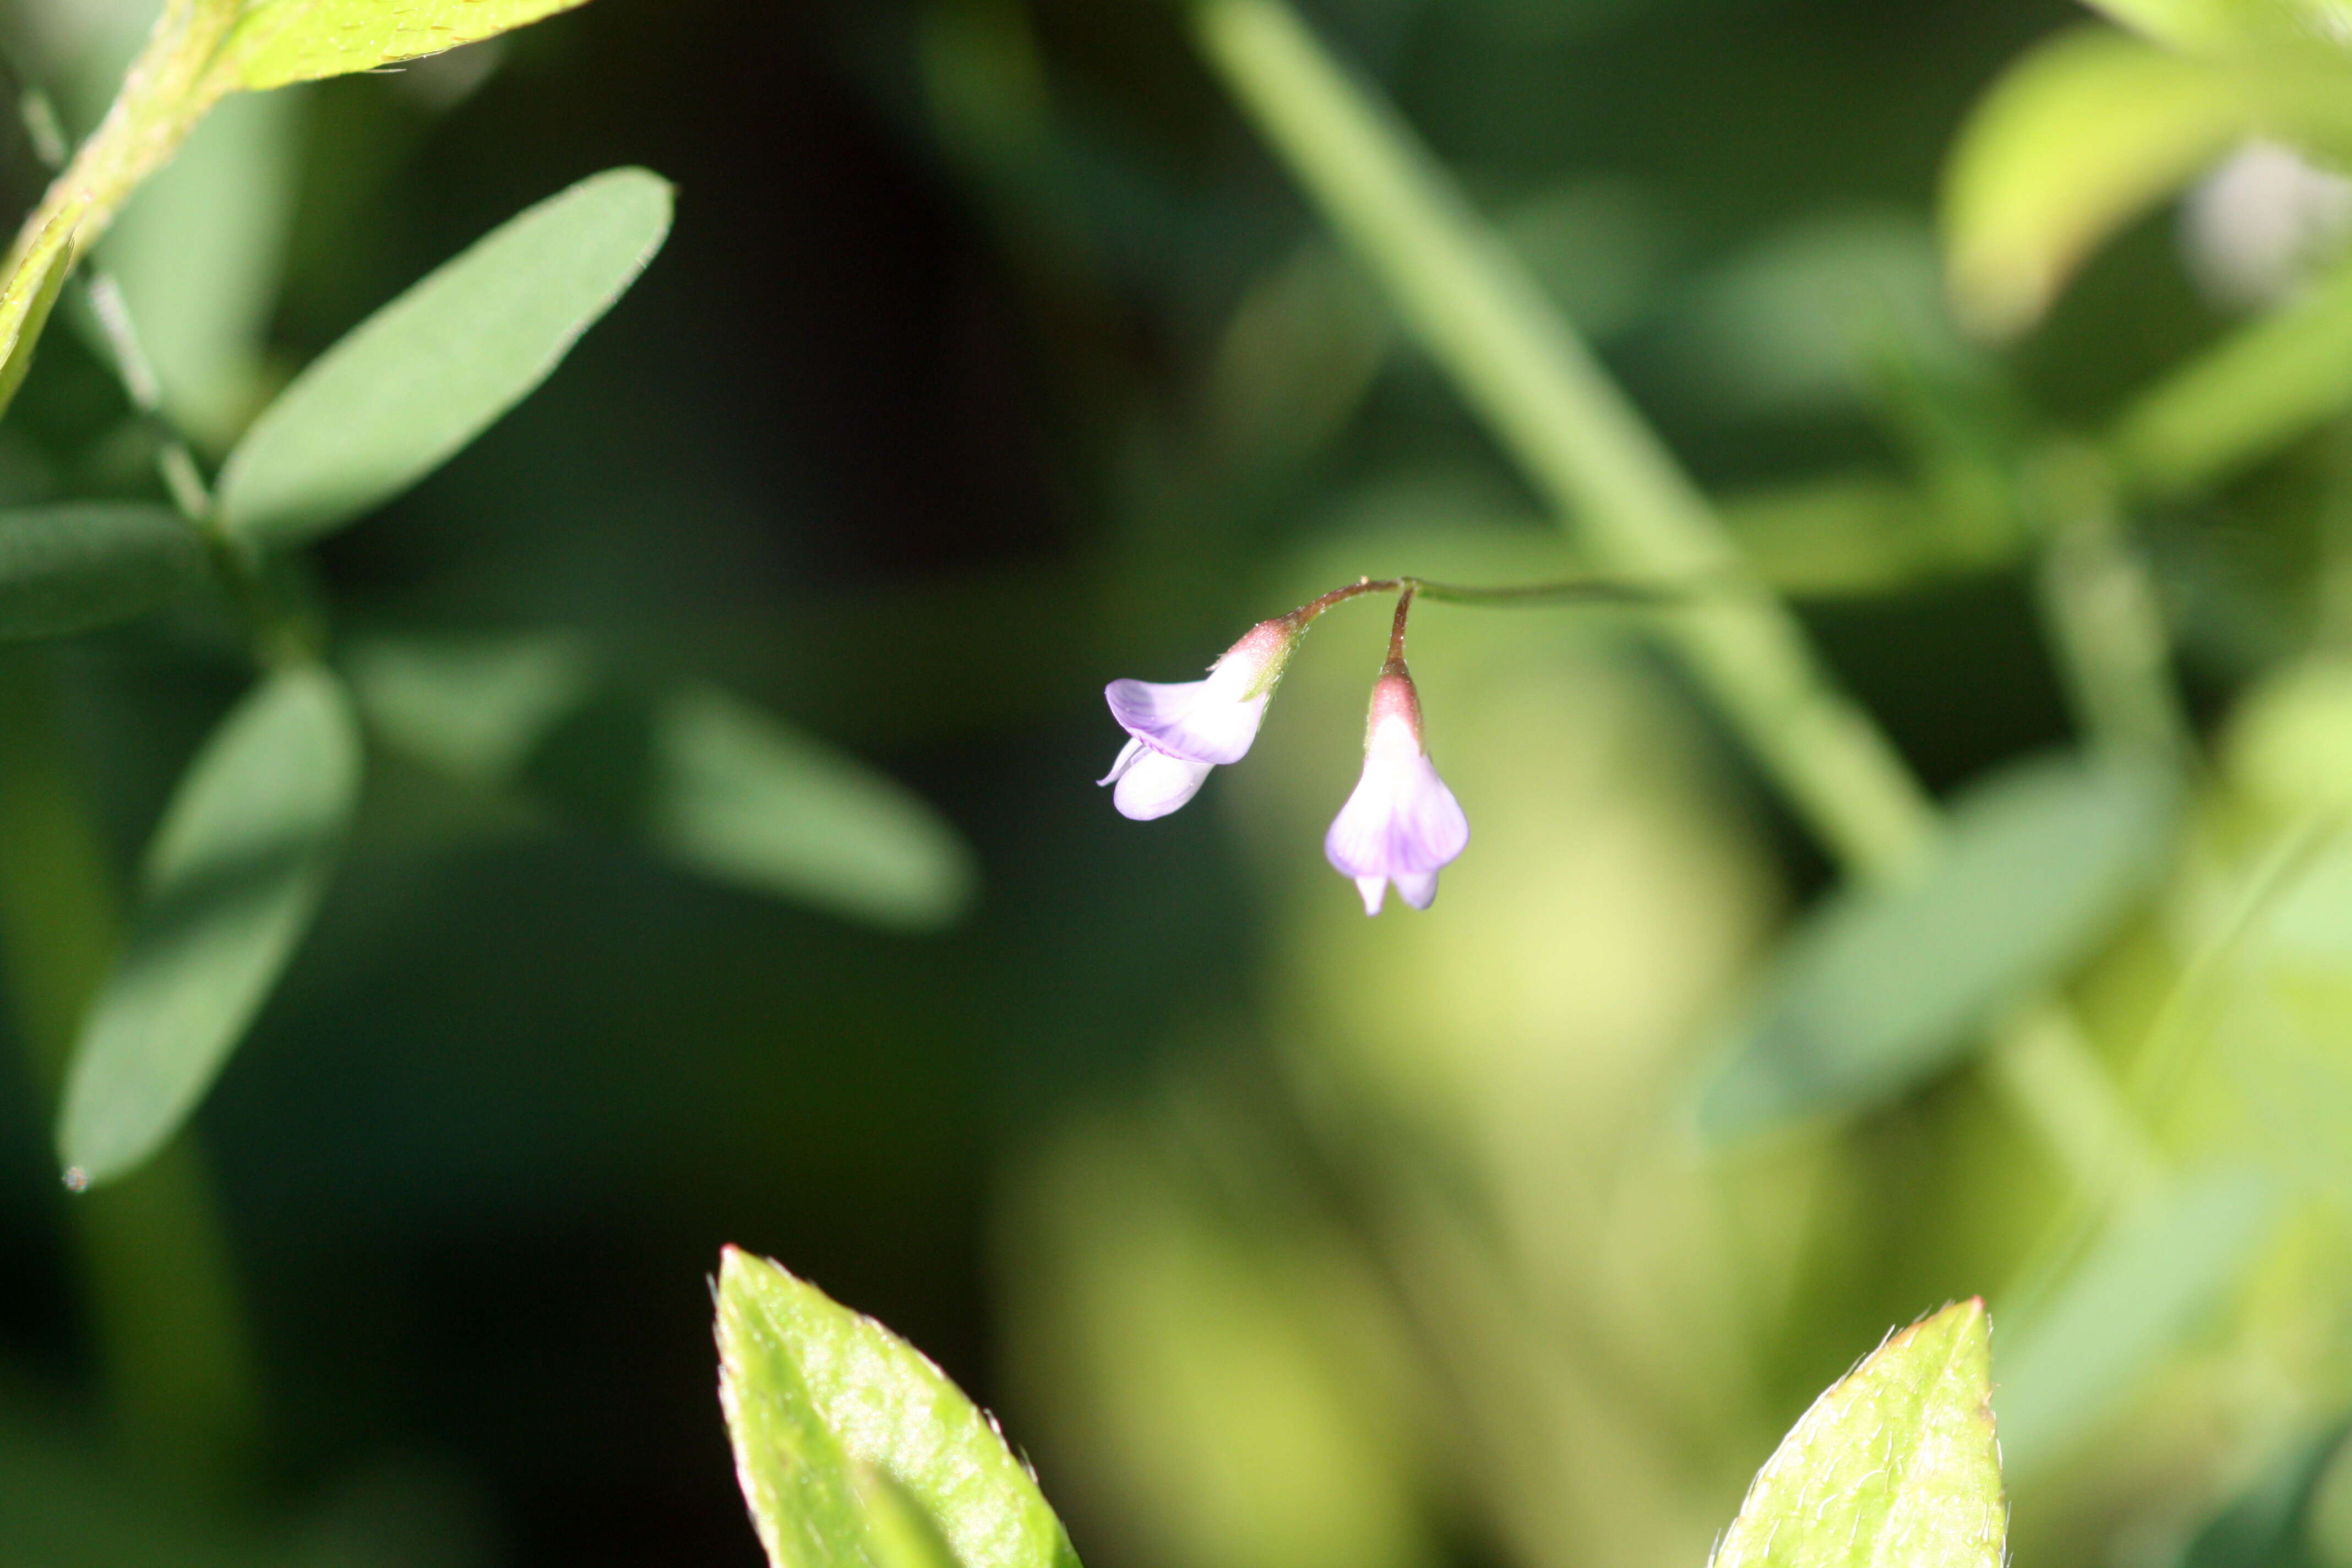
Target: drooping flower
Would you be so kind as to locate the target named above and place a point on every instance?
(1401, 825)
(1179, 731)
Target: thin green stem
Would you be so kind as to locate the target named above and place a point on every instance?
(167, 90)
(1553, 407)
(2107, 622)
(1522, 368)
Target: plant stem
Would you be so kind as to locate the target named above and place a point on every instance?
(168, 1325)
(163, 95)
(1581, 442)
(2105, 622)
(1560, 416)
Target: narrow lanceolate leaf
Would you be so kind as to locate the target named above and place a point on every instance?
(69, 568)
(414, 383)
(1894, 1467)
(707, 779)
(2240, 401)
(280, 41)
(2069, 1369)
(232, 881)
(1882, 987)
(741, 796)
(855, 1451)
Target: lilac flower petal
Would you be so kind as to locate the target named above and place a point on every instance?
(1155, 783)
(1417, 889)
(1205, 720)
(1401, 825)
(1147, 707)
(1119, 765)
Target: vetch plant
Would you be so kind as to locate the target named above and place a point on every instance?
(247, 846)
(1401, 824)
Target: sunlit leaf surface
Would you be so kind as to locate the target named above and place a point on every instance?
(2079, 136)
(1884, 986)
(853, 1449)
(1895, 1465)
(422, 377)
(294, 40)
(232, 879)
(2234, 26)
(69, 568)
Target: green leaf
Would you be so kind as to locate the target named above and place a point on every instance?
(824, 1406)
(68, 568)
(25, 302)
(2285, 1016)
(1882, 987)
(2240, 401)
(232, 881)
(281, 41)
(1895, 1465)
(2080, 136)
(2070, 1366)
(2234, 26)
(700, 776)
(415, 382)
(198, 252)
(739, 796)
(475, 707)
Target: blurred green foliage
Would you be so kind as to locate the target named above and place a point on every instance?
(995, 356)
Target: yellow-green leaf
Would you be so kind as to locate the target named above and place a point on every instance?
(25, 303)
(2224, 26)
(855, 1451)
(2081, 135)
(281, 41)
(1895, 1465)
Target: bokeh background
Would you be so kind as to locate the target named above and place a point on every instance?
(993, 358)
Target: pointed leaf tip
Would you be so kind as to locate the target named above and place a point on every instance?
(854, 1450)
(234, 875)
(410, 386)
(1895, 1463)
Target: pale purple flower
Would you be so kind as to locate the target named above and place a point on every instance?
(1178, 731)
(1402, 825)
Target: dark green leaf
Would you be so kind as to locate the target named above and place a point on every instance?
(415, 382)
(2070, 1364)
(232, 879)
(280, 41)
(703, 777)
(1895, 1465)
(854, 1451)
(68, 568)
(1882, 987)
(738, 795)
